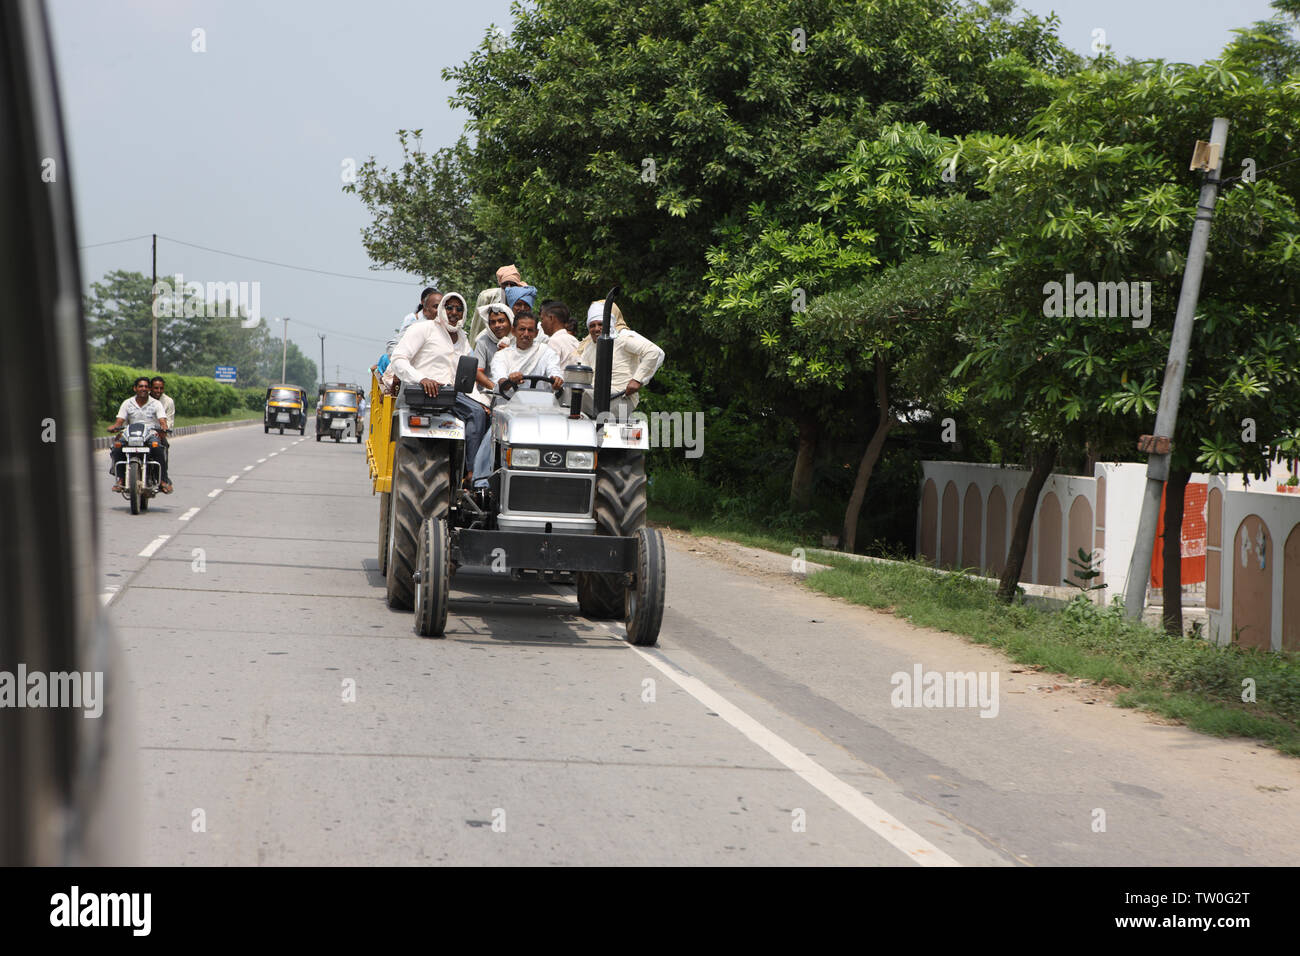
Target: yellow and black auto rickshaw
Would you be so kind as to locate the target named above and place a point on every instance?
(286, 407)
(338, 412)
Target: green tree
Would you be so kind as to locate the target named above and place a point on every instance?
(619, 143)
(194, 335)
(426, 218)
(1099, 191)
(119, 319)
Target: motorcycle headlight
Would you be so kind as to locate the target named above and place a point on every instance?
(523, 457)
(583, 460)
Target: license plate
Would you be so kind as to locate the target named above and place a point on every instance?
(338, 423)
(448, 430)
(282, 417)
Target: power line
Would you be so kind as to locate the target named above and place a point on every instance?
(347, 335)
(115, 242)
(285, 265)
(269, 262)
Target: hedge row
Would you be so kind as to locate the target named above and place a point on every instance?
(110, 385)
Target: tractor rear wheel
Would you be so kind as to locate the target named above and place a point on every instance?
(620, 511)
(421, 489)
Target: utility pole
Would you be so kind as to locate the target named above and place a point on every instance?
(322, 358)
(284, 351)
(153, 308)
(338, 374)
(1208, 156)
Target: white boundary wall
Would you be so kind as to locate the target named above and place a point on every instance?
(1116, 521)
(1280, 513)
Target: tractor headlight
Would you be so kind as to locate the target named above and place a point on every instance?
(523, 457)
(580, 460)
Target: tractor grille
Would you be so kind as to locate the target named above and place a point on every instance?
(549, 494)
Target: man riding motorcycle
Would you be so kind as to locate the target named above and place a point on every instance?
(142, 408)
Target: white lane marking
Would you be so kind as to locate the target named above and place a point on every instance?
(214, 492)
(285, 448)
(232, 479)
(273, 454)
(154, 545)
(260, 460)
(864, 810)
(248, 468)
(188, 515)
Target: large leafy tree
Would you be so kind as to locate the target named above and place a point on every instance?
(619, 143)
(881, 293)
(1099, 190)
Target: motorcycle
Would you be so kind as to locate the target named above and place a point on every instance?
(140, 476)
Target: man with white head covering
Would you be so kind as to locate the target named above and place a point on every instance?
(427, 354)
(636, 358)
(496, 336)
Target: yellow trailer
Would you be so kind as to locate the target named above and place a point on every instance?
(380, 447)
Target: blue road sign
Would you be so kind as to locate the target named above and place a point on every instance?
(225, 373)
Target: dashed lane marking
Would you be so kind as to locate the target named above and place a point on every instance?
(154, 545)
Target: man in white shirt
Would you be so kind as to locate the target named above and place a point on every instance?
(157, 384)
(525, 357)
(636, 358)
(555, 323)
(428, 309)
(427, 354)
(141, 408)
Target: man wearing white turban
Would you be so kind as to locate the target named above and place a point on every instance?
(636, 358)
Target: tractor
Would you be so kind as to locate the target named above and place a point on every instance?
(566, 495)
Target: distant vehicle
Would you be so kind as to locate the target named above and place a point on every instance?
(141, 475)
(67, 784)
(286, 407)
(338, 411)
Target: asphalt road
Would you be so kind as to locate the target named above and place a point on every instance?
(286, 716)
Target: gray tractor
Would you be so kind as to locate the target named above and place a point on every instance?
(567, 495)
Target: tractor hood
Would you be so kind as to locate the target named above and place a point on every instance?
(536, 418)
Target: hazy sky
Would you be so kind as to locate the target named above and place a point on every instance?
(241, 148)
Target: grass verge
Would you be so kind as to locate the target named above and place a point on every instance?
(1186, 679)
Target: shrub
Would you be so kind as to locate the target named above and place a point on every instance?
(110, 385)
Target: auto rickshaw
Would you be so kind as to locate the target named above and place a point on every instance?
(286, 407)
(338, 408)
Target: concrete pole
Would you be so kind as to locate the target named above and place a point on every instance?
(1139, 571)
(153, 358)
(284, 351)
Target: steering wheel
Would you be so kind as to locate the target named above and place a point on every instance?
(511, 386)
